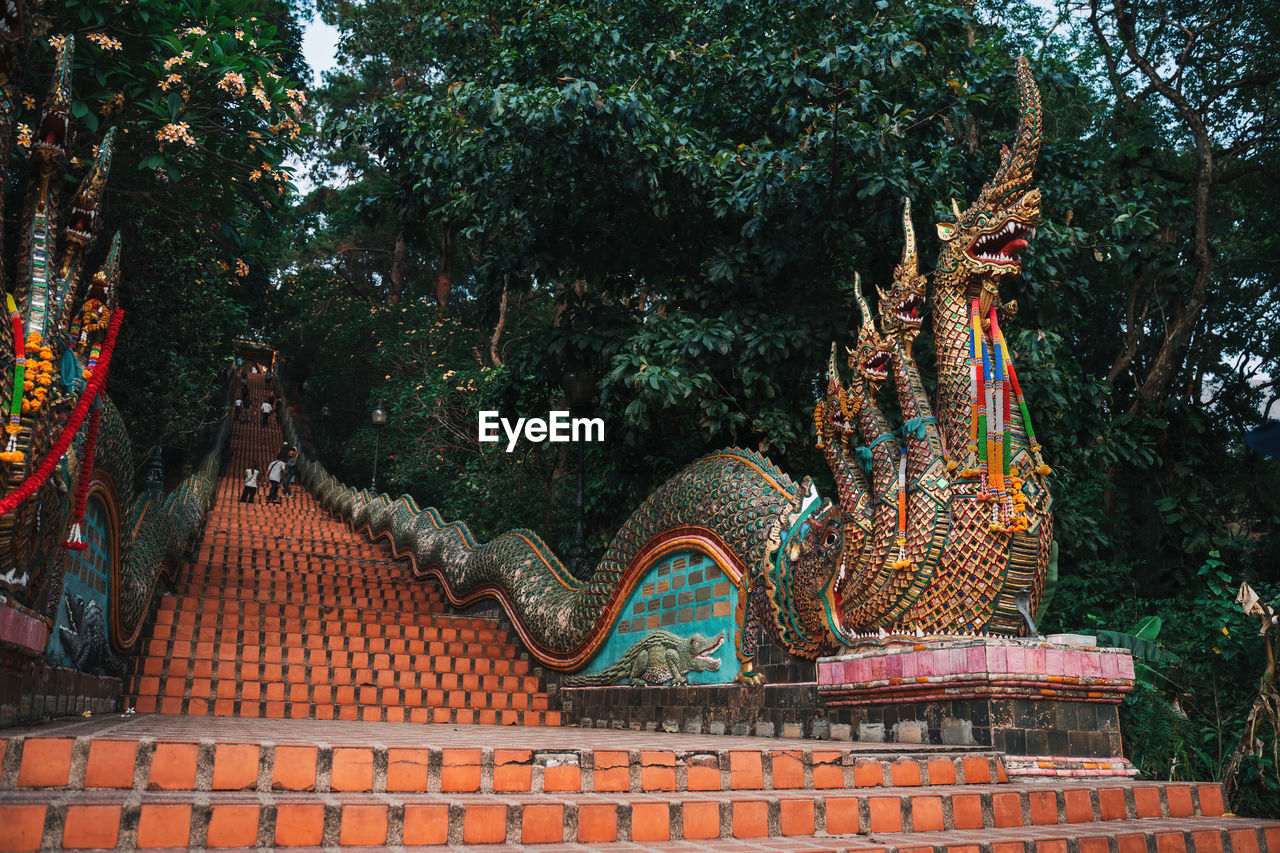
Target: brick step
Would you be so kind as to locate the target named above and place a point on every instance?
(373, 598)
(188, 611)
(459, 713)
(229, 659)
(277, 557)
(246, 587)
(126, 820)
(320, 649)
(323, 650)
(447, 671)
(493, 692)
(175, 764)
(312, 633)
(253, 568)
(320, 580)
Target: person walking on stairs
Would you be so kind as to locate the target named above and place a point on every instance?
(290, 469)
(251, 475)
(266, 411)
(275, 474)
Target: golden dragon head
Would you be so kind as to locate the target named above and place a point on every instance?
(902, 306)
(981, 247)
(872, 353)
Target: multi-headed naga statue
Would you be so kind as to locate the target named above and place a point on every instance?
(940, 523)
(63, 440)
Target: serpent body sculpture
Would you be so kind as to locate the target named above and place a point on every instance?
(938, 524)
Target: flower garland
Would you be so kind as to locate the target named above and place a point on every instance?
(14, 426)
(37, 382)
(74, 422)
(993, 392)
(94, 318)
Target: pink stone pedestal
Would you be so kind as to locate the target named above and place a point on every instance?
(1052, 709)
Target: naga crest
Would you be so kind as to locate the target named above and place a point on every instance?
(981, 247)
(902, 307)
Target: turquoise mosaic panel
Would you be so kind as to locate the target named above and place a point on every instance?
(684, 593)
(85, 574)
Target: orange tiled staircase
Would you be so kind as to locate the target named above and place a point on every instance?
(301, 690)
(286, 614)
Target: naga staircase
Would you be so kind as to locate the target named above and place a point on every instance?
(300, 689)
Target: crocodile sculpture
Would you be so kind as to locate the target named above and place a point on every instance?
(85, 638)
(941, 524)
(661, 657)
(63, 439)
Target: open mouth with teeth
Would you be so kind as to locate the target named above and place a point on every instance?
(1003, 246)
(81, 223)
(10, 19)
(876, 365)
(910, 309)
(53, 133)
(705, 655)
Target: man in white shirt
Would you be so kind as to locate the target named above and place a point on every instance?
(275, 473)
(266, 411)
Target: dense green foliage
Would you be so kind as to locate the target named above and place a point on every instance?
(201, 96)
(676, 198)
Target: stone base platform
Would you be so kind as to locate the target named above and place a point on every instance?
(1053, 709)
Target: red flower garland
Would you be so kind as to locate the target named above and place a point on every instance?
(94, 386)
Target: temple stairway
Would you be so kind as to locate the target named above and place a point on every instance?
(286, 614)
(299, 689)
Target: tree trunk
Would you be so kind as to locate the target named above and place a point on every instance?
(397, 269)
(444, 272)
(1168, 361)
(494, 355)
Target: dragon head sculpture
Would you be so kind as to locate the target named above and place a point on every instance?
(902, 306)
(872, 352)
(981, 247)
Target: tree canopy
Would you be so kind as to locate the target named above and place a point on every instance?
(675, 198)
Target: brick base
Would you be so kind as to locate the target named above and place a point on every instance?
(43, 692)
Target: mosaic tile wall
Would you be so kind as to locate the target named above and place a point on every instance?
(86, 574)
(685, 593)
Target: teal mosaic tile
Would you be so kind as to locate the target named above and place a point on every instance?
(684, 593)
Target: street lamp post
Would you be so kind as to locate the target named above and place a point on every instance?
(579, 392)
(379, 419)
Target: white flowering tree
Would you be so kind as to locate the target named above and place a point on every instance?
(203, 100)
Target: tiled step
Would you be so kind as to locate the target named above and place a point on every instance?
(369, 713)
(360, 627)
(144, 764)
(100, 818)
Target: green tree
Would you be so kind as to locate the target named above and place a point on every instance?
(206, 114)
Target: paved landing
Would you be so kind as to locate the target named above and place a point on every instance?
(173, 727)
